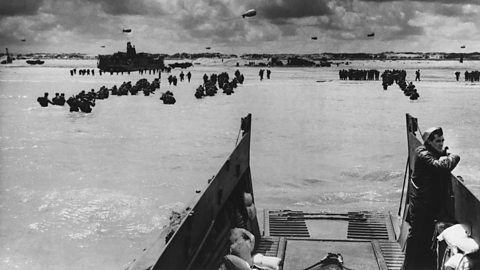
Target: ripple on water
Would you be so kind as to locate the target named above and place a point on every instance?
(362, 173)
(94, 213)
(13, 97)
(312, 181)
(23, 195)
(341, 198)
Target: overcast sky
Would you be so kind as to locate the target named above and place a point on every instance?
(280, 26)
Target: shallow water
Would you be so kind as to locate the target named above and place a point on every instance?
(92, 190)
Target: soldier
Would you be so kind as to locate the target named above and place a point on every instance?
(44, 100)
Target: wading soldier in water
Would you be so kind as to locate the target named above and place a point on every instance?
(44, 100)
(432, 167)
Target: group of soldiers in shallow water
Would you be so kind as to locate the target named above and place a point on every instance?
(57, 100)
(359, 74)
(91, 72)
(472, 76)
(399, 77)
(81, 102)
(84, 101)
(209, 87)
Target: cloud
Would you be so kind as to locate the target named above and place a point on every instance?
(182, 25)
(460, 2)
(286, 9)
(212, 21)
(15, 26)
(129, 7)
(353, 20)
(449, 10)
(404, 31)
(19, 7)
(464, 12)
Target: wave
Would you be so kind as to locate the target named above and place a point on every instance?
(374, 175)
(95, 213)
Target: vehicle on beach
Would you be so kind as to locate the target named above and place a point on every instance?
(35, 62)
(180, 65)
(198, 238)
(129, 61)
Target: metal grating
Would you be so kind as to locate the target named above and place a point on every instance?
(392, 254)
(281, 225)
(365, 225)
(268, 246)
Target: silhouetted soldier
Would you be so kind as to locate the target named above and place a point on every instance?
(61, 100)
(73, 103)
(44, 100)
(417, 75)
(56, 99)
(86, 105)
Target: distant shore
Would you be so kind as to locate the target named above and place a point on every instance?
(442, 56)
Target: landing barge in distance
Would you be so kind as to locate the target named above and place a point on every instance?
(129, 61)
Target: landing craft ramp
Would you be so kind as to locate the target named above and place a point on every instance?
(366, 240)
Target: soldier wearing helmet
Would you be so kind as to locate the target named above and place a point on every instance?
(429, 181)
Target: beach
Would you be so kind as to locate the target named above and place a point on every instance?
(93, 190)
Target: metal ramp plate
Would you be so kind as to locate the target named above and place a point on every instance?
(392, 254)
(367, 225)
(354, 229)
(270, 246)
(280, 225)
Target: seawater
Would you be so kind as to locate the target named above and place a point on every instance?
(82, 191)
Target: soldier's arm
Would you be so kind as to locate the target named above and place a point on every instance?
(445, 162)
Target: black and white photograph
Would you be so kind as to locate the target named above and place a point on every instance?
(240, 134)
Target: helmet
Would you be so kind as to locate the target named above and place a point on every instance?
(433, 130)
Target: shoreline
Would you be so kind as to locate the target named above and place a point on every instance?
(429, 56)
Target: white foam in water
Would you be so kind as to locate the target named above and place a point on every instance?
(98, 188)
